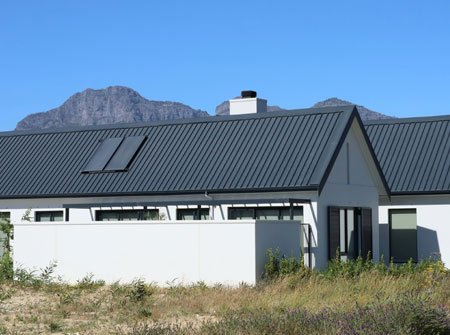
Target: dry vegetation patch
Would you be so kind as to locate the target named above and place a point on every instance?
(137, 308)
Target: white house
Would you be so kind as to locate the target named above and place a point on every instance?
(414, 154)
(198, 199)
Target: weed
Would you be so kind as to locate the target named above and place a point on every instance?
(66, 297)
(144, 312)
(139, 291)
(4, 294)
(200, 285)
(46, 275)
(54, 327)
(88, 283)
(283, 266)
(117, 290)
(64, 313)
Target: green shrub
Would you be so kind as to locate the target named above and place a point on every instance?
(6, 261)
(139, 291)
(281, 266)
(54, 327)
(88, 283)
(6, 267)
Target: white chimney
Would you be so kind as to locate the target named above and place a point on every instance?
(247, 103)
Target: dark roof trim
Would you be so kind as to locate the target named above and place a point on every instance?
(306, 111)
(374, 156)
(444, 192)
(190, 202)
(210, 192)
(408, 120)
(339, 140)
(331, 152)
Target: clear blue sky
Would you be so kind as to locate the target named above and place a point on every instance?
(391, 56)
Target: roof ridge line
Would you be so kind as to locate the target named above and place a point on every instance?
(417, 119)
(160, 123)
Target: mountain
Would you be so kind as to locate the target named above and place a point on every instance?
(365, 113)
(118, 104)
(115, 104)
(224, 108)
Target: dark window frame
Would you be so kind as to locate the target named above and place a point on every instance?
(390, 210)
(141, 213)
(52, 215)
(255, 208)
(358, 239)
(114, 154)
(197, 213)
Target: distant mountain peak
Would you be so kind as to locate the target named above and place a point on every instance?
(120, 104)
(114, 104)
(365, 113)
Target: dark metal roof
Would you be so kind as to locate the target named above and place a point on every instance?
(278, 151)
(414, 153)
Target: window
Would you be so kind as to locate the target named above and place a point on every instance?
(114, 154)
(127, 215)
(3, 239)
(5, 215)
(403, 234)
(349, 232)
(48, 216)
(193, 214)
(265, 213)
(241, 213)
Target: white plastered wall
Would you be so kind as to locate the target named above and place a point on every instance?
(433, 223)
(353, 182)
(159, 252)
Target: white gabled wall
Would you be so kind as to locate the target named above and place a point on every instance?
(433, 223)
(353, 182)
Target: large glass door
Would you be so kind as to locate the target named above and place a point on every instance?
(349, 232)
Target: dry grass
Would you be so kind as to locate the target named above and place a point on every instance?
(115, 309)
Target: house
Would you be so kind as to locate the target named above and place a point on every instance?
(198, 199)
(414, 154)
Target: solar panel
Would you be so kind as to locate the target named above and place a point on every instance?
(125, 154)
(102, 155)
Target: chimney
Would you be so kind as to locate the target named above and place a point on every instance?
(247, 103)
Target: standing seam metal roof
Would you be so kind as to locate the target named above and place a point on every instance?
(274, 151)
(414, 153)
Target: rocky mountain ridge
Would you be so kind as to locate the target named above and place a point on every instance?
(365, 113)
(119, 104)
(115, 104)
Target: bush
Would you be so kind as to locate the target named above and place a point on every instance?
(139, 291)
(6, 267)
(6, 261)
(283, 266)
(88, 283)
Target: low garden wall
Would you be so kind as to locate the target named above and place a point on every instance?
(162, 252)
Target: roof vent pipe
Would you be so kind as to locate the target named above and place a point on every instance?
(247, 103)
